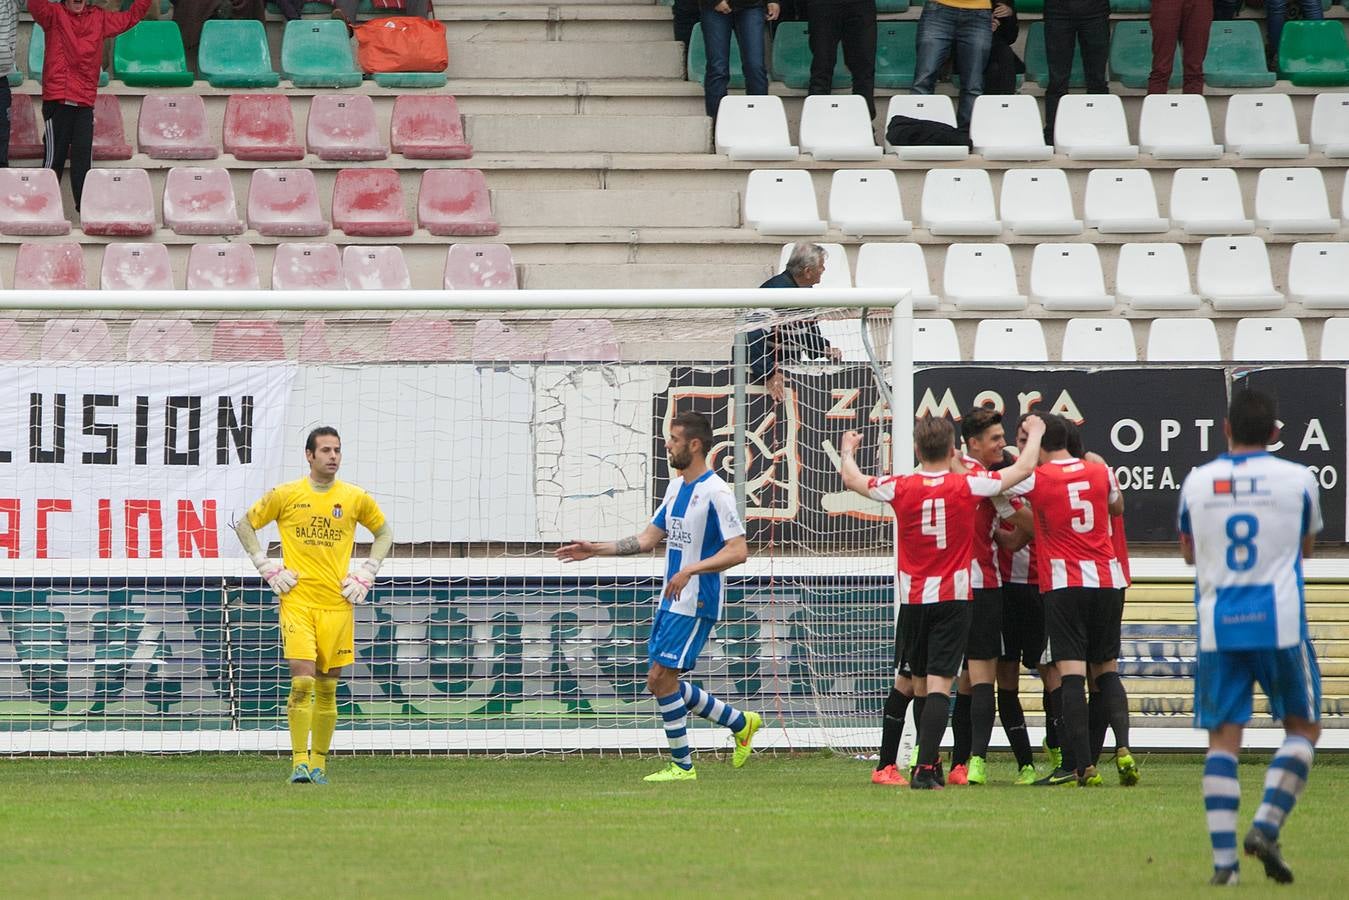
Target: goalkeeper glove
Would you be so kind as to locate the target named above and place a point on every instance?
(280, 579)
(356, 586)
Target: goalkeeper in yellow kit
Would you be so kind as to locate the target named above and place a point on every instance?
(317, 517)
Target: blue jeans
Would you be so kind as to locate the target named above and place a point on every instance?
(1276, 13)
(749, 26)
(968, 33)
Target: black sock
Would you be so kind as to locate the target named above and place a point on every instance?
(919, 704)
(892, 727)
(1014, 724)
(961, 731)
(1076, 737)
(1054, 717)
(1098, 720)
(932, 727)
(1116, 705)
(981, 719)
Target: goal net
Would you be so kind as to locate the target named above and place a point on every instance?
(130, 619)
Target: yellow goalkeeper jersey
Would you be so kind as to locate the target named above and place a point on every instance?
(317, 531)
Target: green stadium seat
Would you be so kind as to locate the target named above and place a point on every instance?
(234, 53)
(1030, 7)
(317, 53)
(1236, 56)
(791, 58)
(896, 53)
(151, 55)
(1314, 54)
(1130, 6)
(1037, 61)
(698, 59)
(410, 79)
(16, 77)
(37, 51)
(1131, 56)
(892, 6)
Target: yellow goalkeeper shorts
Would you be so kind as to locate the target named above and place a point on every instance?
(327, 636)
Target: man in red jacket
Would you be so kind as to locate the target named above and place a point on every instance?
(75, 31)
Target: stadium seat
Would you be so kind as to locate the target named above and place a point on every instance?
(117, 203)
(314, 346)
(1177, 126)
(581, 340)
(240, 340)
(200, 201)
(136, 267)
(866, 201)
(1010, 340)
(1037, 60)
(1317, 275)
(1067, 277)
(50, 267)
(782, 201)
(1293, 201)
(1262, 126)
(1092, 126)
(109, 132)
(162, 340)
(1330, 125)
(1154, 276)
(1335, 339)
(1183, 340)
(302, 267)
(959, 202)
(375, 269)
(15, 77)
(1122, 201)
(30, 203)
(219, 267)
(260, 127)
(931, 107)
(25, 134)
(342, 127)
(1009, 128)
(151, 55)
(1131, 55)
(285, 203)
(421, 339)
(1037, 201)
(1098, 340)
(1314, 54)
(37, 47)
(790, 61)
(173, 126)
(471, 267)
(428, 127)
(76, 339)
(1233, 274)
(1236, 56)
(317, 53)
(1273, 340)
(697, 61)
(1208, 201)
(12, 343)
(896, 54)
(753, 128)
(368, 202)
(935, 340)
(493, 340)
(837, 128)
(233, 53)
(837, 272)
(883, 265)
(455, 203)
(981, 277)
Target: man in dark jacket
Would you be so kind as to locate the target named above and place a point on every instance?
(853, 23)
(75, 31)
(769, 348)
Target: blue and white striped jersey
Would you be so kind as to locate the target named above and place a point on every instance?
(697, 520)
(1247, 514)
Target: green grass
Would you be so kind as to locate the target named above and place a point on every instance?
(588, 826)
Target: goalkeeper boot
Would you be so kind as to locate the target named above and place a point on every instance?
(1266, 849)
(889, 776)
(959, 775)
(673, 772)
(1128, 769)
(318, 776)
(744, 738)
(977, 770)
(300, 774)
(1025, 776)
(1055, 755)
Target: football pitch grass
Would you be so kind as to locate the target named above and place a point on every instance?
(805, 825)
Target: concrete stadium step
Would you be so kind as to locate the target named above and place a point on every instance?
(639, 276)
(556, 60)
(590, 134)
(561, 209)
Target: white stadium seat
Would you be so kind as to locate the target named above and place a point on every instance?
(890, 265)
(1278, 340)
(1092, 126)
(931, 107)
(1067, 277)
(1154, 276)
(1262, 126)
(1010, 340)
(981, 277)
(1335, 339)
(1233, 273)
(934, 340)
(838, 127)
(782, 201)
(836, 270)
(1318, 275)
(1293, 201)
(1177, 126)
(959, 202)
(1183, 340)
(1009, 128)
(1037, 201)
(753, 128)
(1122, 201)
(1330, 125)
(866, 201)
(1099, 340)
(1208, 201)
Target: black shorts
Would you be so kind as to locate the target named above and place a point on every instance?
(1023, 624)
(902, 669)
(934, 637)
(985, 640)
(1083, 623)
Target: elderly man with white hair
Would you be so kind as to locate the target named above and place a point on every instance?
(798, 334)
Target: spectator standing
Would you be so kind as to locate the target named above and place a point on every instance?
(686, 14)
(1186, 21)
(960, 27)
(770, 348)
(749, 20)
(1003, 63)
(853, 23)
(9, 39)
(1276, 13)
(1070, 24)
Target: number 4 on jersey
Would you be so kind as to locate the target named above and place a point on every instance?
(934, 521)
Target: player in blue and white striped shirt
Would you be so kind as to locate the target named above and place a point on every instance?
(1247, 520)
(703, 538)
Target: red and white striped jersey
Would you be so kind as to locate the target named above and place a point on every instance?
(1121, 545)
(1018, 567)
(1069, 499)
(983, 559)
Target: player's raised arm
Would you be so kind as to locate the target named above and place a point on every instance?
(1025, 464)
(853, 479)
(644, 541)
(280, 579)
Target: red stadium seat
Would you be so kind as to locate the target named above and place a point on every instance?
(369, 203)
(219, 267)
(118, 203)
(285, 203)
(136, 267)
(173, 126)
(343, 127)
(427, 126)
(298, 267)
(50, 267)
(30, 203)
(11, 340)
(109, 133)
(478, 266)
(581, 340)
(25, 134)
(76, 339)
(162, 340)
(494, 340)
(314, 342)
(421, 340)
(261, 127)
(455, 203)
(200, 201)
(244, 339)
(375, 269)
